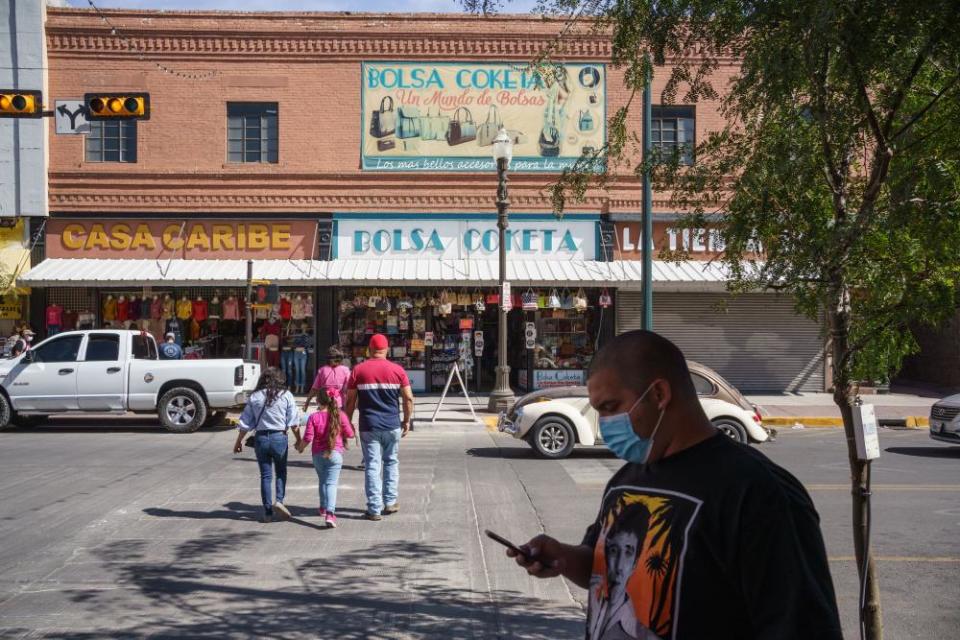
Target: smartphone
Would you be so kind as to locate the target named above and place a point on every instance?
(508, 544)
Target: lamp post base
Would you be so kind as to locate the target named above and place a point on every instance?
(501, 398)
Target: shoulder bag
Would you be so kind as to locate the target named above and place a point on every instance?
(461, 128)
(252, 439)
(489, 129)
(549, 142)
(408, 124)
(383, 122)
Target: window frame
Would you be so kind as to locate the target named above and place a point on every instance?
(46, 345)
(105, 337)
(151, 348)
(676, 115)
(713, 387)
(267, 149)
(127, 141)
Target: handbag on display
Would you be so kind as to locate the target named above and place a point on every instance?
(386, 144)
(405, 303)
(478, 302)
(529, 300)
(553, 300)
(419, 302)
(464, 299)
(373, 300)
(445, 307)
(408, 122)
(605, 299)
(493, 297)
(566, 300)
(580, 300)
(383, 122)
(585, 122)
(549, 142)
(542, 300)
(461, 130)
(490, 128)
(383, 305)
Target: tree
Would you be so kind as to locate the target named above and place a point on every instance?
(840, 156)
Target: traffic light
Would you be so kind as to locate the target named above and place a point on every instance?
(15, 103)
(117, 106)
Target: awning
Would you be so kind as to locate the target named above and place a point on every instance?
(624, 274)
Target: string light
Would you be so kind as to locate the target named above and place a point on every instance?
(132, 45)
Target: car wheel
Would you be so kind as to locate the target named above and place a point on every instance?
(6, 412)
(552, 437)
(182, 410)
(26, 422)
(731, 428)
(214, 419)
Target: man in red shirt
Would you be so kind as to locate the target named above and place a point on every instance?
(377, 387)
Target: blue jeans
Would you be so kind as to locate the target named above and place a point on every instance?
(300, 367)
(328, 472)
(286, 365)
(381, 453)
(271, 448)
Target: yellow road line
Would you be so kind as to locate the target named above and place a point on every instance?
(947, 559)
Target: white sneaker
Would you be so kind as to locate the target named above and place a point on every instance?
(280, 509)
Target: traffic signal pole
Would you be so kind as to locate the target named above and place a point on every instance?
(646, 211)
(249, 310)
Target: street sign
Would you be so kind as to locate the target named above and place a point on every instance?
(505, 301)
(70, 117)
(530, 335)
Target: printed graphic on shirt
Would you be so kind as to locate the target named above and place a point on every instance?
(638, 563)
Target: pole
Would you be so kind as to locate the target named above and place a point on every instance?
(646, 212)
(249, 313)
(502, 396)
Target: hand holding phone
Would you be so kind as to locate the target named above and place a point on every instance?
(508, 545)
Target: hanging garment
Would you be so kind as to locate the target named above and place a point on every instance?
(300, 309)
(214, 310)
(69, 320)
(199, 310)
(134, 312)
(109, 310)
(54, 316)
(123, 310)
(156, 309)
(168, 307)
(184, 309)
(231, 309)
(86, 320)
(286, 308)
(145, 309)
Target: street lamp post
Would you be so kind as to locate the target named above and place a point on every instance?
(502, 396)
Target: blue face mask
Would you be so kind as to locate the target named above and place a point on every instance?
(618, 434)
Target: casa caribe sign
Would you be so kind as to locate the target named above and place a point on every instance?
(443, 116)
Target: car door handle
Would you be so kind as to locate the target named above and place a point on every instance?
(64, 372)
(113, 369)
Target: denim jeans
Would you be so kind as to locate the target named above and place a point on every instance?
(300, 367)
(271, 448)
(381, 453)
(286, 365)
(328, 472)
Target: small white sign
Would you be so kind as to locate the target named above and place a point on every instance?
(531, 331)
(71, 117)
(428, 339)
(531, 343)
(506, 301)
(865, 432)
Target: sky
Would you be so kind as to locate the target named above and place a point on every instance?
(393, 6)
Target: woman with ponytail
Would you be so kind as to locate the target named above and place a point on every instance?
(329, 430)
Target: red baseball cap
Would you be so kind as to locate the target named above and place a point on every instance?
(378, 342)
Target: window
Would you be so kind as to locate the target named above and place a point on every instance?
(143, 348)
(672, 132)
(63, 349)
(252, 131)
(112, 141)
(103, 347)
(703, 386)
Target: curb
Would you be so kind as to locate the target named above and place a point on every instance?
(826, 422)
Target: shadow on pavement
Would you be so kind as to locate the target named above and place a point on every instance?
(527, 452)
(106, 424)
(927, 452)
(244, 511)
(393, 589)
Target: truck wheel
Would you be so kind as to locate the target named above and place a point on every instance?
(6, 412)
(182, 410)
(552, 437)
(214, 418)
(25, 422)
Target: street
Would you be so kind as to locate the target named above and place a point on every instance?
(119, 529)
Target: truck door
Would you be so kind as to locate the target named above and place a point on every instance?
(101, 380)
(45, 378)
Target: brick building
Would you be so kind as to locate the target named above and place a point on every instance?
(348, 156)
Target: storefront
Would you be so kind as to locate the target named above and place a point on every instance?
(428, 282)
(757, 341)
(187, 278)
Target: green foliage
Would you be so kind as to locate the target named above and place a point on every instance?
(840, 157)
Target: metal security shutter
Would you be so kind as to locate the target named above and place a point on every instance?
(756, 341)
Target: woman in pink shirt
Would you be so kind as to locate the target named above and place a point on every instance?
(329, 431)
(332, 377)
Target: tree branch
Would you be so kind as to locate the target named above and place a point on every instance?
(901, 93)
(919, 114)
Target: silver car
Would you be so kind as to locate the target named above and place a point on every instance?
(945, 420)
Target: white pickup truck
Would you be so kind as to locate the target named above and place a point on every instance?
(110, 371)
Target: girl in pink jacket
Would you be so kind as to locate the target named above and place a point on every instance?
(329, 431)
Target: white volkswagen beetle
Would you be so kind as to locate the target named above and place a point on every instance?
(553, 421)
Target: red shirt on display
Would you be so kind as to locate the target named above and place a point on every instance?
(286, 308)
(54, 316)
(123, 310)
(199, 310)
(69, 320)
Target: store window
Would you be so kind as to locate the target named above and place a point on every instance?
(103, 347)
(111, 141)
(672, 132)
(252, 132)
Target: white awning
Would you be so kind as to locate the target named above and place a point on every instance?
(624, 274)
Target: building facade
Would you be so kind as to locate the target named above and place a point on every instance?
(349, 158)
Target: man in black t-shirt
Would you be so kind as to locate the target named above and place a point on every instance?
(697, 537)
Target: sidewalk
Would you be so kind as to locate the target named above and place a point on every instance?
(818, 409)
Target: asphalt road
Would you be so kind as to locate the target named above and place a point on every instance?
(128, 531)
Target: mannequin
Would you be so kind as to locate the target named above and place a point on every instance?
(309, 309)
(167, 308)
(231, 309)
(109, 309)
(86, 319)
(184, 308)
(200, 311)
(70, 320)
(286, 307)
(299, 308)
(54, 318)
(134, 312)
(123, 309)
(270, 334)
(302, 343)
(214, 308)
(145, 308)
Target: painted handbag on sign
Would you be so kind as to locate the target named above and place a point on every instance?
(489, 129)
(408, 122)
(585, 122)
(386, 145)
(426, 127)
(383, 122)
(461, 130)
(518, 137)
(439, 125)
(549, 142)
(529, 300)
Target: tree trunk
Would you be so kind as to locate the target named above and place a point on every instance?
(843, 396)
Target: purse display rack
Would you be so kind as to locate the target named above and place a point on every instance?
(370, 311)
